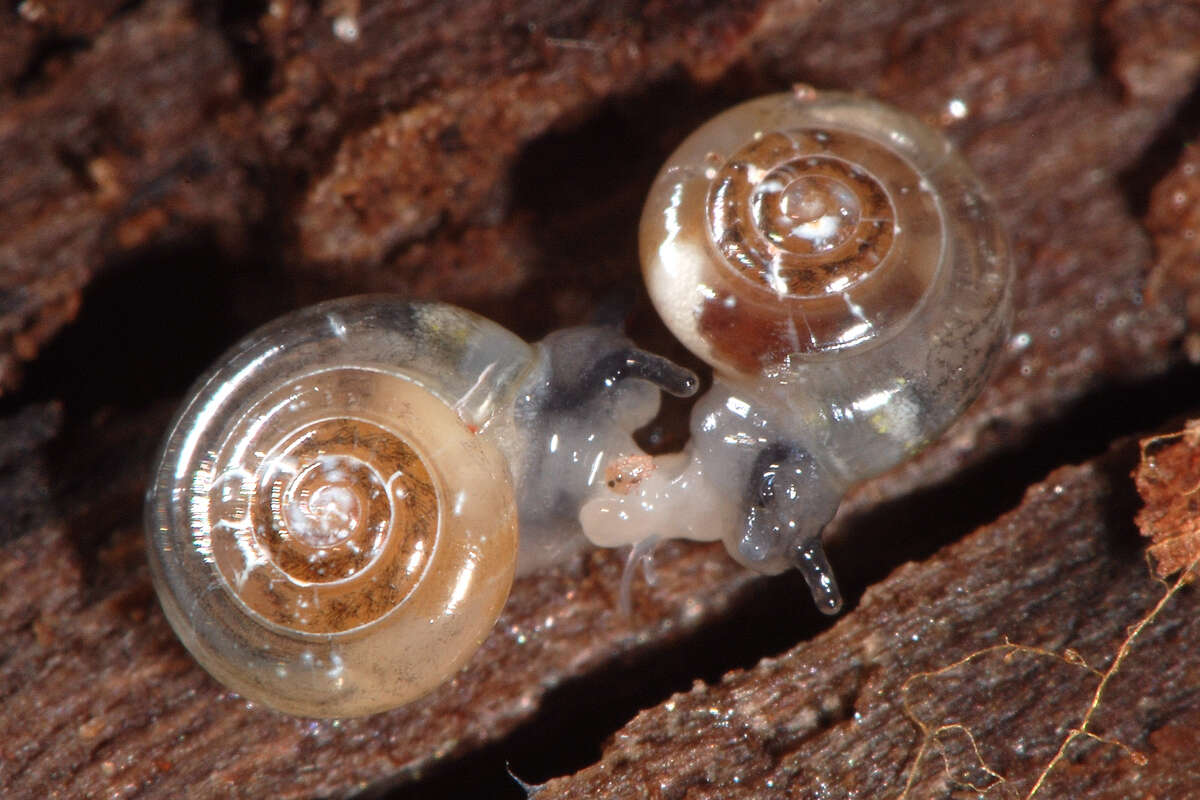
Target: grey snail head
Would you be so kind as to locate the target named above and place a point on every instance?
(840, 267)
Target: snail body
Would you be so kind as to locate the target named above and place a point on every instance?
(840, 267)
(333, 522)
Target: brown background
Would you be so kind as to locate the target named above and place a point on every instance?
(174, 173)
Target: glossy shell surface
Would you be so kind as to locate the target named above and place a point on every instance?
(837, 258)
(332, 531)
(842, 270)
(797, 225)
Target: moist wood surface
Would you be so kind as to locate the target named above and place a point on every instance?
(175, 173)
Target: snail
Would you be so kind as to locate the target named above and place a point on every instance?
(333, 521)
(841, 269)
(332, 525)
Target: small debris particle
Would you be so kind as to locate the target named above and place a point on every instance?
(346, 28)
(624, 473)
(92, 728)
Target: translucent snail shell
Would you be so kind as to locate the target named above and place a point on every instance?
(795, 226)
(328, 533)
(332, 526)
(840, 267)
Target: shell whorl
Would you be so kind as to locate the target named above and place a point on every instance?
(802, 214)
(323, 523)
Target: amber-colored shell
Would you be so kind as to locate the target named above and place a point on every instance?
(795, 226)
(329, 533)
(336, 527)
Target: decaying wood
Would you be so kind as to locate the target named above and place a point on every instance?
(921, 692)
(1168, 479)
(176, 172)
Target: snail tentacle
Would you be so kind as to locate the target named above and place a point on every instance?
(809, 558)
(841, 269)
(633, 363)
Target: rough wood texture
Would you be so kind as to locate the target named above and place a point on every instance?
(966, 670)
(176, 172)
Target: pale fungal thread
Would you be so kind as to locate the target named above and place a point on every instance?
(333, 524)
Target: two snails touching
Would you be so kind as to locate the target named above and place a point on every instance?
(333, 525)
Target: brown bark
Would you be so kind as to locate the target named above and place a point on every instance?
(968, 669)
(174, 173)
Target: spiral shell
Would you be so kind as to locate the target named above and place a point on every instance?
(790, 227)
(838, 264)
(840, 267)
(330, 533)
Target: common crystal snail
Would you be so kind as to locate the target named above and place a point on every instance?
(333, 523)
(838, 265)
